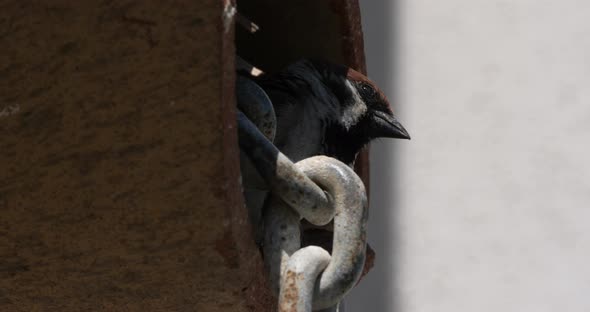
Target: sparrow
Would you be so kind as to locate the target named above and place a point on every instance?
(321, 109)
(327, 109)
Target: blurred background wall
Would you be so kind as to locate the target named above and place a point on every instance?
(488, 207)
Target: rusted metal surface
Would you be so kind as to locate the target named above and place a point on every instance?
(119, 186)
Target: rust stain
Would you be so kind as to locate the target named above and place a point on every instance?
(109, 148)
(290, 292)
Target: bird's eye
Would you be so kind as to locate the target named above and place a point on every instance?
(367, 89)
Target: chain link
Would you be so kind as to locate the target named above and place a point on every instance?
(304, 278)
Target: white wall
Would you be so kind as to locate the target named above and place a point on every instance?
(488, 207)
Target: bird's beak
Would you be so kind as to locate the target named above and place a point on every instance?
(385, 125)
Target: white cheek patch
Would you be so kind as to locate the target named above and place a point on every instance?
(355, 110)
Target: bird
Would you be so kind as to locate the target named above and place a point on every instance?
(323, 108)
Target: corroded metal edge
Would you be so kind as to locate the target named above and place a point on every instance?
(257, 293)
(354, 54)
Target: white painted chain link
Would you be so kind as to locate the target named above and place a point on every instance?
(319, 189)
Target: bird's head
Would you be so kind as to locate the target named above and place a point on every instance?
(328, 109)
(364, 113)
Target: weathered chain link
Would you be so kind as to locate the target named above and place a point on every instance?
(305, 278)
(255, 104)
(283, 178)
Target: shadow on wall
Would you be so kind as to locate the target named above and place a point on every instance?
(377, 291)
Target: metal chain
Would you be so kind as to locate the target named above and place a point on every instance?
(304, 278)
